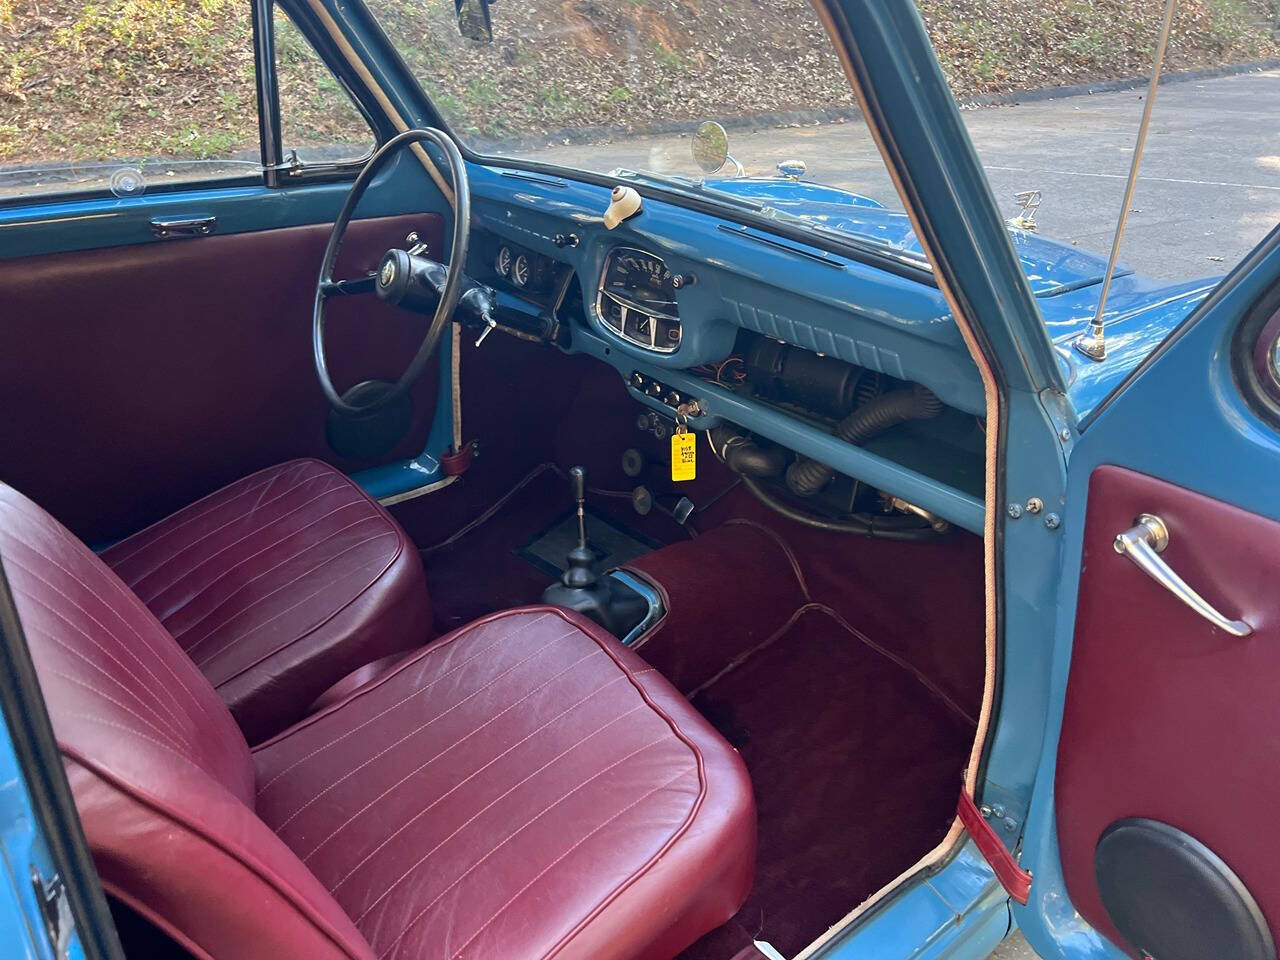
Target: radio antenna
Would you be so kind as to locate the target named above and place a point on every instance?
(1092, 343)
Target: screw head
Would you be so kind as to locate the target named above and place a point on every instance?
(1052, 521)
(1015, 510)
(1064, 434)
(1035, 505)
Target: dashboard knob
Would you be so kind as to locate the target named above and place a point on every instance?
(624, 202)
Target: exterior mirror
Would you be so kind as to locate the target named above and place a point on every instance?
(710, 146)
(473, 20)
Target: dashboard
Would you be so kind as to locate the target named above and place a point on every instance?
(673, 295)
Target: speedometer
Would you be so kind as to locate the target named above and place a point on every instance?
(641, 278)
(637, 299)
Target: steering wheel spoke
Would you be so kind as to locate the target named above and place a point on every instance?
(443, 285)
(348, 288)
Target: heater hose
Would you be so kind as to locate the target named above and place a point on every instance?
(806, 477)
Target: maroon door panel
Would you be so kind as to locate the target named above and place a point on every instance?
(1167, 717)
(134, 380)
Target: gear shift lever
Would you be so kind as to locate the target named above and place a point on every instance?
(579, 575)
(580, 588)
(607, 601)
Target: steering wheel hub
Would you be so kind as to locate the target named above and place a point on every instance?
(387, 273)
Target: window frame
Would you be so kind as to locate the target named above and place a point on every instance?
(1253, 351)
(274, 171)
(277, 171)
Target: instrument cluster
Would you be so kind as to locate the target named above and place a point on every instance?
(524, 269)
(637, 299)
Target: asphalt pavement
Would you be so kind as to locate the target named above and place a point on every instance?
(1210, 177)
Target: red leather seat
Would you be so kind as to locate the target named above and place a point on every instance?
(524, 787)
(278, 585)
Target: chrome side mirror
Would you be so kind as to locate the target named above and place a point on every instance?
(710, 148)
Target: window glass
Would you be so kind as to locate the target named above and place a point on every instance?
(318, 119)
(125, 93)
(624, 84)
(1053, 101)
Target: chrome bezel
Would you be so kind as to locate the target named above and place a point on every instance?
(515, 269)
(627, 308)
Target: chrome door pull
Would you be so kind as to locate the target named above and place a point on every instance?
(1143, 544)
(170, 229)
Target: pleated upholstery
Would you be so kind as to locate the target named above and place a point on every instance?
(278, 585)
(515, 779)
(162, 777)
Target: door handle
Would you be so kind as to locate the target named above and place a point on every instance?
(1143, 544)
(174, 227)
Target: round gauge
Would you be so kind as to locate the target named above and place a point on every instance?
(503, 263)
(521, 270)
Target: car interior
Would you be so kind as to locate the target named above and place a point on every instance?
(676, 645)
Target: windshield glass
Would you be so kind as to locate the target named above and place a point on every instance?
(621, 87)
(1052, 102)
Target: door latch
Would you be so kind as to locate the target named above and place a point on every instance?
(175, 227)
(55, 911)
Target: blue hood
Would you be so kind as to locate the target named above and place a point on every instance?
(1051, 267)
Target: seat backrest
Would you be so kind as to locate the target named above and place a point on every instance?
(161, 774)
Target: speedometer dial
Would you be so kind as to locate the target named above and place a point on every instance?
(637, 300)
(643, 280)
(503, 262)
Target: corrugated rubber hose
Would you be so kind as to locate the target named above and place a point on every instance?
(806, 477)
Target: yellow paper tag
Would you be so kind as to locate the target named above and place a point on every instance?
(684, 456)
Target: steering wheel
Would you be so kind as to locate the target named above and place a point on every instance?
(403, 277)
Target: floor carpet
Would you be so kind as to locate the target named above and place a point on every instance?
(855, 766)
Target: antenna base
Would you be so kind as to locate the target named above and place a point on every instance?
(1091, 344)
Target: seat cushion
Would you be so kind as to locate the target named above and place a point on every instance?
(162, 777)
(279, 585)
(524, 787)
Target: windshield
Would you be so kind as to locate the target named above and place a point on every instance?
(621, 88)
(1052, 99)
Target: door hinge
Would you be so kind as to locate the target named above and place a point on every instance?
(1015, 880)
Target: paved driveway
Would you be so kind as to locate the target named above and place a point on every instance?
(1015, 948)
(1210, 185)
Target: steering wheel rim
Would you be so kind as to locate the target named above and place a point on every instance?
(452, 287)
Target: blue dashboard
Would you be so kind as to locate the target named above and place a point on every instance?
(733, 278)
